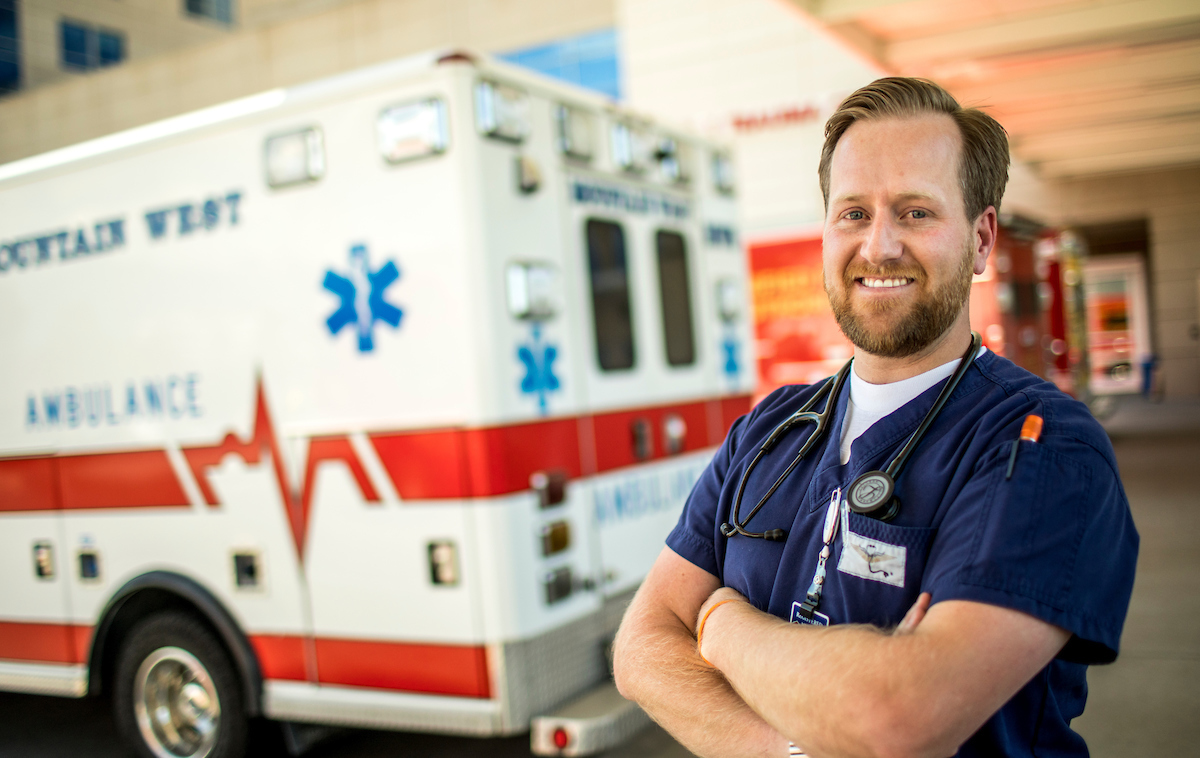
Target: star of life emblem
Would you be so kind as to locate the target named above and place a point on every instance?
(362, 298)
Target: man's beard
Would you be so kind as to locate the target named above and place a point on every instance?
(927, 319)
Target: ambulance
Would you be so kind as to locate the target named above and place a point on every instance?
(366, 402)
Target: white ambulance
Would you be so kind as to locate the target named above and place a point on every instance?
(364, 402)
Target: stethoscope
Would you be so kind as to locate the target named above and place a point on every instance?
(871, 494)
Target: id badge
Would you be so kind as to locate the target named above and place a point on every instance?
(818, 618)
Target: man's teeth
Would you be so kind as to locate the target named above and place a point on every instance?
(885, 282)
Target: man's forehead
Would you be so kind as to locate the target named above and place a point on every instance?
(924, 148)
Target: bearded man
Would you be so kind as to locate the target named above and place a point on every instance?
(902, 576)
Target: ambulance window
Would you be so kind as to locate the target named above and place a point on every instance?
(676, 298)
(608, 266)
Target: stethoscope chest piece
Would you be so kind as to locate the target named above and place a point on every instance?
(873, 494)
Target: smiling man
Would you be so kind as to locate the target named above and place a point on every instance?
(875, 565)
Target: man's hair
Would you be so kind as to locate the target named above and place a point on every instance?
(983, 161)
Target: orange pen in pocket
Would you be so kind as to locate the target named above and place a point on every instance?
(1031, 430)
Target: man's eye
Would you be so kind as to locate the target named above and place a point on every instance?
(919, 214)
(855, 215)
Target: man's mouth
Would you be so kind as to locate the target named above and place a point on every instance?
(881, 283)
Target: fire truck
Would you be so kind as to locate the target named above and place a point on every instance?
(364, 402)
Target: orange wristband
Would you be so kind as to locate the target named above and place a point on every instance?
(700, 626)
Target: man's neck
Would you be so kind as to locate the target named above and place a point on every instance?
(878, 369)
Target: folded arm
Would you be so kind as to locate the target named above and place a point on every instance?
(656, 664)
(853, 690)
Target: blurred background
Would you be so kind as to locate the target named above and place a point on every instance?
(1101, 99)
(1095, 283)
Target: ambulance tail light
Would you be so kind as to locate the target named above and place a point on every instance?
(562, 738)
(550, 486)
(559, 584)
(575, 132)
(556, 537)
(674, 433)
(501, 111)
(443, 563)
(412, 130)
(530, 290)
(723, 178)
(295, 158)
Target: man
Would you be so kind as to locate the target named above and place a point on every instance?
(964, 624)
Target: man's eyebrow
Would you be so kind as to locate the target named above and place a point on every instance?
(853, 198)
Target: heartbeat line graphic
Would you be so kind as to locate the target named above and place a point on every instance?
(263, 442)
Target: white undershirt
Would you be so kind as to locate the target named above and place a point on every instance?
(871, 402)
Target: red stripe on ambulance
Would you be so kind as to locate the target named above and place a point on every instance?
(134, 479)
(408, 667)
(28, 484)
(436, 669)
(45, 643)
(422, 465)
(139, 479)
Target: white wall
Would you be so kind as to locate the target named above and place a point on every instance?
(705, 63)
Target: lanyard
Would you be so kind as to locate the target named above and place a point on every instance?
(813, 596)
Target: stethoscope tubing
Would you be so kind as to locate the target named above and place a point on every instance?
(805, 414)
(830, 390)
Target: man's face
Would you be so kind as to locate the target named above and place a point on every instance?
(898, 249)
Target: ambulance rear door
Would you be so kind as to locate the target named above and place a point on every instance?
(646, 354)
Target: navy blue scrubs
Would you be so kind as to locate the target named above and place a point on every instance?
(1056, 540)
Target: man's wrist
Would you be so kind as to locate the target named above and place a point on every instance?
(716, 607)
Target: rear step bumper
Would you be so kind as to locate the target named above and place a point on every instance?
(598, 720)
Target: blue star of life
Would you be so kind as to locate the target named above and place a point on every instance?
(731, 366)
(538, 358)
(362, 296)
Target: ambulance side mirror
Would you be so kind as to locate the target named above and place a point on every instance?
(531, 291)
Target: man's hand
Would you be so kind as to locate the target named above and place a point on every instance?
(908, 624)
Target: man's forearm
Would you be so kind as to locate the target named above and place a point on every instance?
(779, 670)
(859, 691)
(656, 665)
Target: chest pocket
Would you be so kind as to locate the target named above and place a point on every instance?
(879, 570)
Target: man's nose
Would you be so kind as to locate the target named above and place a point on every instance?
(883, 242)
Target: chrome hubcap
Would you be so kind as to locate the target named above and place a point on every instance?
(176, 704)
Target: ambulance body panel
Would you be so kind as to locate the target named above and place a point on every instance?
(314, 416)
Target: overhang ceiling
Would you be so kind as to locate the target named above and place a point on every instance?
(1084, 87)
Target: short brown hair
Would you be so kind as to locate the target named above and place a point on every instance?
(983, 162)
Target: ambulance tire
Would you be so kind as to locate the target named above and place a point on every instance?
(176, 693)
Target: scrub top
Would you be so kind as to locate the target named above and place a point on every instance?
(1055, 540)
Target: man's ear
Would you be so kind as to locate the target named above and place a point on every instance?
(986, 228)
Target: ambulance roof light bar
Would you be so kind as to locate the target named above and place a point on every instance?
(501, 111)
(632, 148)
(575, 132)
(295, 157)
(723, 178)
(413, 130)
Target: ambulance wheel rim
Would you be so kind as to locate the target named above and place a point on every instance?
(176, 704)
